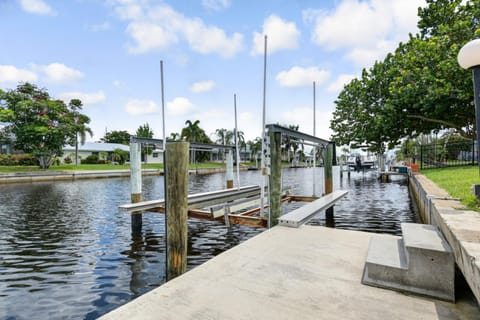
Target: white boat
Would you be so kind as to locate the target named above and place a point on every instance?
(361, 162)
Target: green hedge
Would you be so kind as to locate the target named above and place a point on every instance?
(18, 160)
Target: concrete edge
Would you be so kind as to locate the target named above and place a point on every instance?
(453, 222)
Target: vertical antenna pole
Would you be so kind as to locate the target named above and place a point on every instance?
(314, 134)
(163, 109)
(262, 190)
(236, 141)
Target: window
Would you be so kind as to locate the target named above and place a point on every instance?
(155, 154)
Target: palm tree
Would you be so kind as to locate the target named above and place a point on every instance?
(174, 136)
(255, 148)
(193, 133)
(241, 139)
(80, 124)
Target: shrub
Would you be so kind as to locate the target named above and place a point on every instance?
(67, 160)
(91, 159)
(102, 161)
(7, 160)
(25, 160)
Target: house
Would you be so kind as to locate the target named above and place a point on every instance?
(93, 148)
(155, 157)
(105, 151)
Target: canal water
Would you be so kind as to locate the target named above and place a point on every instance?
(66, 251)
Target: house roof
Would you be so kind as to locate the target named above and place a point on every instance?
(97, 147)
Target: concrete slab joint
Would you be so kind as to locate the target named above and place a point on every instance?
(421, 262)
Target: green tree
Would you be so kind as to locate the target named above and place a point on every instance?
(224, 138)
(115, 136)
(418, 89)
(193, 133)
(255, 149)
(80, 123)
(120, 156)
(174, 136)
(145, 131)
(40, 125)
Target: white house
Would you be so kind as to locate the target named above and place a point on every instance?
(92, 148)
(97, 148)
(155, 157)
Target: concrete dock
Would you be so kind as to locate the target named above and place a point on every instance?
(288, 273)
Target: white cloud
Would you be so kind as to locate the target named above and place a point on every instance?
(58, 72)
(301, 77)
(207, 39)
(86, 98)
(138, 107)
(216, 5)
(370, 27)
(153, 28)
(127, 10)
(149, 36)
(36, 7)
(202, 86)
(12, 74)
(282, 35)
(340, 82)
(179, 106)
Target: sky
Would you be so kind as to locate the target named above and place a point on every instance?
(107, 54)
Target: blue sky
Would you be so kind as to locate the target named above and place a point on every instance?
(107, 53)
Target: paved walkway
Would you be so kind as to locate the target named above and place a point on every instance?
(287, 273)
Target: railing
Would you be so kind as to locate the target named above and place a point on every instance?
(452, 154)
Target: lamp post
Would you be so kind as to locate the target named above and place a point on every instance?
(469, 58)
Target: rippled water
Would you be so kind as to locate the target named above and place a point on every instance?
(67, 252)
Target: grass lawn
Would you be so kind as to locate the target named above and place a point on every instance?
(457, 182)
(72, 167)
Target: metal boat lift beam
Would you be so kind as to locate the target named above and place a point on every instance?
(193, 145)
(296, 134)
(197, 201)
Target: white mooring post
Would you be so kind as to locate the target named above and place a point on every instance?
(229, 173)
(136, 184)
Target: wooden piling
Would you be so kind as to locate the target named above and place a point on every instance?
(275, 178)
(328, 167)
(136, 185)
(229, 172)
(176, 176)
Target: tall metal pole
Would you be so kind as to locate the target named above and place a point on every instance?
(163, 109)
(262, 186)
(476, 92)
(236, 140)
(164, 148)
(314, 134)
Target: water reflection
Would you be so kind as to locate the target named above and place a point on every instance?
(66, 251)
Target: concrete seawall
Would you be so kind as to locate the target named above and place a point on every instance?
(460, 227)
(73, 175)
(29, 177)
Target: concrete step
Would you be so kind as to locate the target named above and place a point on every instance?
(421, 262)
(386, 262)
(424, 237)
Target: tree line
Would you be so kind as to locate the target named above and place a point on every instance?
(39, 125)
(417, 89)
